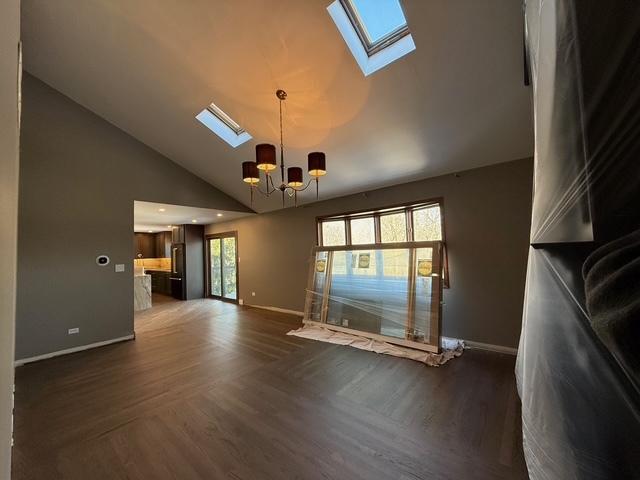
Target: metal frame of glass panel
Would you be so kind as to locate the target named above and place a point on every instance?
(317, 304)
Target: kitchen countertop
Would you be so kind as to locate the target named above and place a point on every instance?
(141, 292)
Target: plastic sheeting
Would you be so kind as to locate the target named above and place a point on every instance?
(394, 291)
(450, 349)
(577, 367)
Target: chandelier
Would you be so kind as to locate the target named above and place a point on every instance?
(266, 161)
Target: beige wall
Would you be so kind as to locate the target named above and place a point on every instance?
(487, 217)
(9, 38)
(79, 177)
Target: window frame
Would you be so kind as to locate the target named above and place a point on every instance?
(371, 48)
(370, 56)
(407, 208)
(225, 127)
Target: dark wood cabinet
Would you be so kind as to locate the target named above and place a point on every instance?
(152, 245)
(194, 261)
(163, 244)
(160, 282)
(177, 234)
(144, 245)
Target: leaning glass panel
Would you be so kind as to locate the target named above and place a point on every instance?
(315, 291)
(420, 329)
(369, 291)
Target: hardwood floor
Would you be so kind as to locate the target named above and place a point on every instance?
(210, 390)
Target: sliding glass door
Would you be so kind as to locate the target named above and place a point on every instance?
(222, 266)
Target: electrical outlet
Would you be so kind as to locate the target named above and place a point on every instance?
(241, 302)
(119, 267)
(253, 294)
(73, 331)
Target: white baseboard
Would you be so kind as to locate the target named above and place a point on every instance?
(67, 351)
(486, 346)
(277, 309)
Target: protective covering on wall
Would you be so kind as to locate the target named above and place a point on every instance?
(578, 365)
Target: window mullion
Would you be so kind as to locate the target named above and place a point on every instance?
(347, 231)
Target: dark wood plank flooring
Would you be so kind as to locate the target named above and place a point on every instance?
(210, 390)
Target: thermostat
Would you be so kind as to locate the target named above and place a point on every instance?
(102, 260)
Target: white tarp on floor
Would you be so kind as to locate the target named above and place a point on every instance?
(449, 351)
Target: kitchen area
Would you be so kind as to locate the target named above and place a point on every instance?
(169, 263)
(170, 250)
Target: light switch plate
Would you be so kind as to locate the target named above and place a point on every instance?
(119, 267)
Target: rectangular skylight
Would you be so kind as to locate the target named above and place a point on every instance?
(216, 120)
(376, 32)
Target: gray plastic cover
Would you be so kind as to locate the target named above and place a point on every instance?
(577, 367)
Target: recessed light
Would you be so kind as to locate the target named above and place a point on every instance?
(162, 209)
(150, 231)
(194, 221)
(219, 214)
(168, 226)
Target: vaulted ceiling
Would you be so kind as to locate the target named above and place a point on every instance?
(457, 102)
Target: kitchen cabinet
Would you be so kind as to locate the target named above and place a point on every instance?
(152, 245)
(144, 245)
(177, 234)
(163, 244)
(160, 281)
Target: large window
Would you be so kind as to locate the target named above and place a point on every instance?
(416, 222)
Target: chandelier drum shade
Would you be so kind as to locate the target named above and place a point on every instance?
(266, 157)
(250, 173)
(266, 161)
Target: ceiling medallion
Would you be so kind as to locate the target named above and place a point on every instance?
(266, 161)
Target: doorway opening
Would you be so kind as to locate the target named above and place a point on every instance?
(222, 266)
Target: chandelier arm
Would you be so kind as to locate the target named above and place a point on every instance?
(302, 189)
(267, 192)
(270, 181)
(259, 190)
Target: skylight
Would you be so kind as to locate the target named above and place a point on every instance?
(223, 125)
(375, 31)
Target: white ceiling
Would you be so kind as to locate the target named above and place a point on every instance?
(148, 217)
(456, 102)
